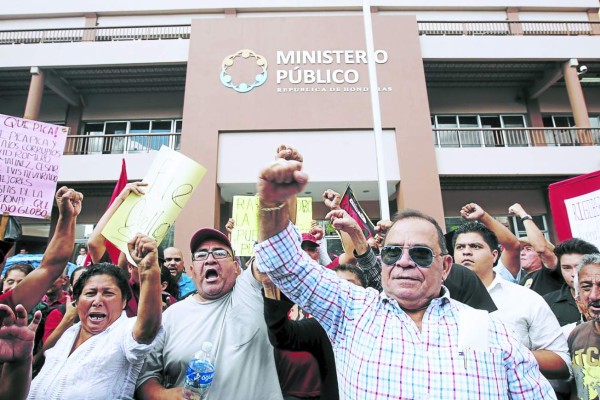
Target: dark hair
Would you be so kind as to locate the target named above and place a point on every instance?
(574, 246)
(353, 270)
(73, 273)
(172, 286)
(24, 268)
(488, 236)
(103, 269)
(410, 213)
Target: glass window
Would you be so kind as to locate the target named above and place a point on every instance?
(114, 145)
(91, 146)
(160, 127)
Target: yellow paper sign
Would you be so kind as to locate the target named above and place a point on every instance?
(304, 215)
(245, 233)
(172, 179)
(245, 215)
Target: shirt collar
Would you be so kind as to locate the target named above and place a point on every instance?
(442, 300)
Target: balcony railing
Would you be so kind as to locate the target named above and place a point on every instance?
(121, 144)
(516, 137)
(504, 28)
(95, 34)
(156, 32)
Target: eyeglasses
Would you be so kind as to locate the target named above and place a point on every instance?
(217, 254)
(421, 255)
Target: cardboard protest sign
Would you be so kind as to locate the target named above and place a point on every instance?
(245, 215)
(172, 179)
(30, 153)
(352, 207)
(575, 205)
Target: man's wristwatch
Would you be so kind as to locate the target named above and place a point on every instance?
(526, 217)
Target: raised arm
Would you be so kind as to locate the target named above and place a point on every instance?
(332, 200)
(96, 245)
(16, 352)
(144, 251)
(65, 323)
(31, 289)
(511, 253)
(539, 243)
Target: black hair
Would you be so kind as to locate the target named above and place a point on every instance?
(353, 270)
(24, 268)
(172, 287)
(73, 273)
(410, 213)
(488, 236)
(104, 269)
(574, 246)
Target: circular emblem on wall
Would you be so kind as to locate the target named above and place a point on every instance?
(243, 87)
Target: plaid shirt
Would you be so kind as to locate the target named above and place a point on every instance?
(380, 352)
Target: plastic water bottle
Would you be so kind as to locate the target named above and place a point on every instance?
(199, 375)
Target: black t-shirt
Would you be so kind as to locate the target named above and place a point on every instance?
(544, 280)
(465, 286)
(563, 305)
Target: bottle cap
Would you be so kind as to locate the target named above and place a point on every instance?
(207, 347)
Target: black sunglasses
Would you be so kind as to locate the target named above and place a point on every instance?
(421, 255)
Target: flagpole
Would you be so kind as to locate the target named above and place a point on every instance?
(374, 91)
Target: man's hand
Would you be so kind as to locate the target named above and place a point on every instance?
(316, 230)
(68, 201)
(71, 309)
(279, 181)
(16, 338)
(332, 199)
(342, 221)
(517, 210)
(144, 251)
(382, 228)
(472, 212)
(288, 153)
(230, 225)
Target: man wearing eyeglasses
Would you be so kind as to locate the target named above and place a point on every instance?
(174, 262)
(227, 311)
(408, 342)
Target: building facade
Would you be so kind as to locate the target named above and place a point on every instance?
(483, 103)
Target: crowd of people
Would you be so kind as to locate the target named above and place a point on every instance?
(406, 314)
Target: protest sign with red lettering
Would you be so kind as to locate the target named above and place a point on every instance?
(30, 153)
(575, 207)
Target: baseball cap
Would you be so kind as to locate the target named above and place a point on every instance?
(4, 249)
(205, 234)
(307, 237)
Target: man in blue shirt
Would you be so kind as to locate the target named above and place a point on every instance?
(174, 263)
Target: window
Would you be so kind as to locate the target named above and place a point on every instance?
(466, 130)
(566, 136)
(118, 137)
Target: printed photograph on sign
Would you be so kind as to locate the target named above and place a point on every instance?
(30, 154)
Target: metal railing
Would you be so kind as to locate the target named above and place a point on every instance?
(121, 144)
(156, 32)
(516, 137)
(95, 34)
(505, 28)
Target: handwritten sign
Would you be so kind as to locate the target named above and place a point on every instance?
(245, 215)
(172, 179)
(304, 214)
(245, 232)
(584, 216)
(30, 153)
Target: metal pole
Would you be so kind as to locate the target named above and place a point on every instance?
(374, 91)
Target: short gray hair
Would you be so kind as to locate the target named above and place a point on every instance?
(586, 260)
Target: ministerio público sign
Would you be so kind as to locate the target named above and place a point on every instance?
(305, 70)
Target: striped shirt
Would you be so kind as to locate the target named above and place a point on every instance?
(381, 353)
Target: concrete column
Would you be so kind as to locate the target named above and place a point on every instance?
(535, 120)
(74, 118)
(91, 21)
(36, 91)
(577, 100)
(593, 16)
(512, 14)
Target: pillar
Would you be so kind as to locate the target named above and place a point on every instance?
(34, 97)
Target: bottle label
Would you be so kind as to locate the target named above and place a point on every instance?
(198, 379)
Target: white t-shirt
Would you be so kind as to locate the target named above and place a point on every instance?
(106, 366)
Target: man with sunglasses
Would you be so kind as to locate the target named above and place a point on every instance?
(227, 311)
(404, 343)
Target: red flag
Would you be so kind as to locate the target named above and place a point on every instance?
(112, 250)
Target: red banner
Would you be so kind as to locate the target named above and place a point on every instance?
(352, 207)
(575, 205)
